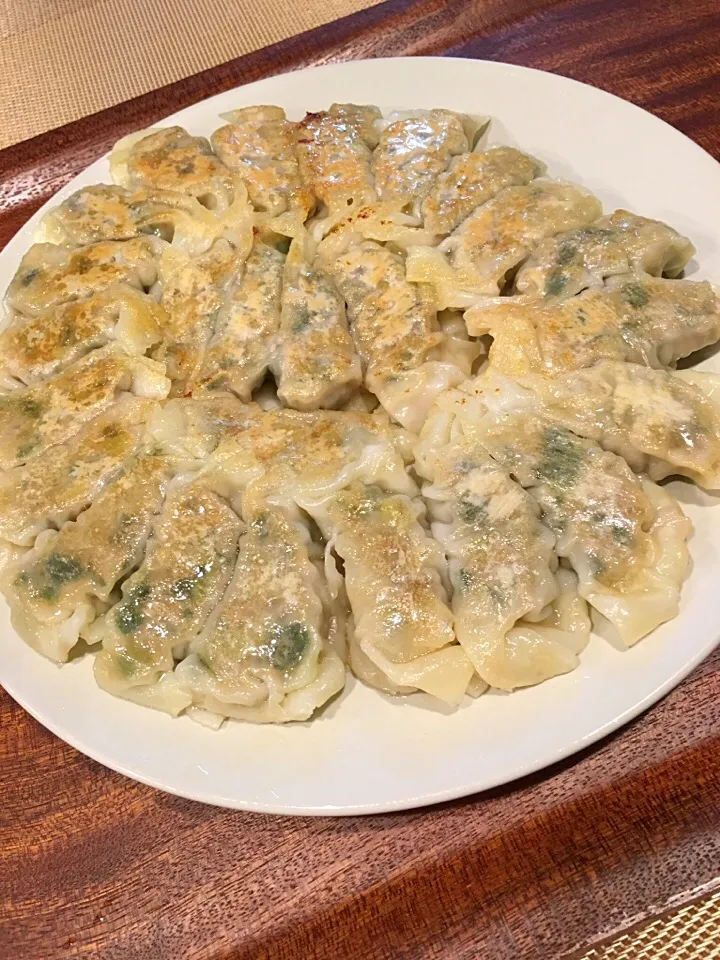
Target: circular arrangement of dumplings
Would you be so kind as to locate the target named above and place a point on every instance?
(348, 394)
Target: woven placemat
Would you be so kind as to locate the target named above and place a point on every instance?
(65, 59)
(689, 933)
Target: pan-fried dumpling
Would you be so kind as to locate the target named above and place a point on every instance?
(413, 148)
(35, 418)
(268, 652)
(243, 343)
(383, 222)
(471, 180)
(475, 259)
(49, 275)
(334, 149)
(290, 457)
(54, 589)
(637, 319)
(259, 146)
(35, 348)
(190, 429)
(395, 328)
(105, 212)
(394, 576)
(169, 158)
(623, 242)
(624, 536)
(56, 485)
(660, 422)
(500, 556)
(317, 365)
(193, 291)
(166, 602)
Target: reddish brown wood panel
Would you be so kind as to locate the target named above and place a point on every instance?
(95, 865)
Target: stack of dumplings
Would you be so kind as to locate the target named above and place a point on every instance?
(355, 393)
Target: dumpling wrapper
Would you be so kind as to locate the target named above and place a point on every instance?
(33, 419)
(50, 275)
(501, 558)
(638, 319)
(167, 601)
(624, 536)
(623, 242)
(661, 422)
(268, 651)
(316, 364)
(56, 485)
(35, 348)
(474, 260)
(394, 573)
(53, 590)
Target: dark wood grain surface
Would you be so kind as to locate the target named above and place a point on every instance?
(95, 865)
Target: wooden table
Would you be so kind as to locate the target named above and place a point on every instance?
(96, 865)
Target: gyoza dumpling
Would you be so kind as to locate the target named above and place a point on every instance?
(623, 242)
(105, 212)
(660, 422)
(624, 536)
(474, 260)
(243, 343)
(471, 180)
(56, 485)
(317, 365)
(303, 458)
(35, 348)
(49, 275)
(258, 144)
(334, 149)
(190, 429)
(267, 653)
(193, 291)
(34, 418)
(640, 320)
(413, 148)
(395, 328)
(500, 557)
(171, 159)
(394, 576)
(53, 589)
(167, 601)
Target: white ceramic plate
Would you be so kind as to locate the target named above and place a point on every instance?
(369, 753)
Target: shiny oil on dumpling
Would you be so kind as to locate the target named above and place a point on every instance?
(32, 419)
(190, 429)
(35, 348)
(414, 147)
(501, 559)
(620, 243)
(334, 148)
(623, 535)
(638, 319)
(243, 343)
(61, 585)
(165, 603)
(258, 144)
(408, 360)
(317, 364)
(56, 485)
(475, 259)
(50, 275)
(395, 576)
(272, 649)
(661, 422)
(471, 180)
